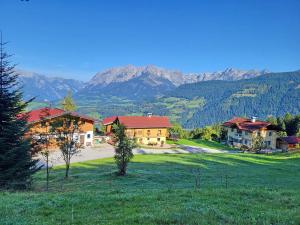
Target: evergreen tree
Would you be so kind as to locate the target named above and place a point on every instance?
(123, 148)
(16, 163)
(289, 124)
(281, 124)
(68, 103)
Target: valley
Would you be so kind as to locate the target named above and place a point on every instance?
(193, 100)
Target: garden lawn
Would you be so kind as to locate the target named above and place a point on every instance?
(162, 189)
(201, 143)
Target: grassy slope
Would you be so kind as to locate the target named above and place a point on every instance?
(200, 143)
(160, 189)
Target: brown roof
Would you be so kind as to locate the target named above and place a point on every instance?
(140, 121)
(246, 124)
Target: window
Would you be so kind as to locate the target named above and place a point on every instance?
(158, 139)
(88, 136)
(270, 133)
(246, 142)
(148, 139)
(43, 124)
(148, 132)
(232, 129)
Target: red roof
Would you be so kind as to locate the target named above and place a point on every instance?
(140, 121)
(246, 124)
(109, 120)
(38, 114)
(291, 139)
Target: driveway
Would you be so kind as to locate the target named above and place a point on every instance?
(107, 151)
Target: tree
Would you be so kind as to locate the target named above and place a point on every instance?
(281, 124)
(177, 130)
(16, 163)
(281, 133)
(289, 124)
(272, 120)
(257, 143)
(207, 133)
(214, 132)
(123, 148)
(66, 130)
(43, 140)
(68, 103)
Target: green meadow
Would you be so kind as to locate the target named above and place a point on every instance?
(201, 143)
(164, 189)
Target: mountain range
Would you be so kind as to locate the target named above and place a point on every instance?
(46, 88)
(131, 82)
(194, 100)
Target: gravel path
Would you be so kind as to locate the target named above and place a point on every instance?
(106, 151)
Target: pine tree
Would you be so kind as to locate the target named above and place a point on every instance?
(123, 149)
(68, 103)
(16, 163)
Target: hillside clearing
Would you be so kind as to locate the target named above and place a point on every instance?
(160, 189)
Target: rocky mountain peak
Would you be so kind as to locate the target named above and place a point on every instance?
(126, 73)
(154, 73)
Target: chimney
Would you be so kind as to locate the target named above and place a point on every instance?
(253, 119)
(149, 114)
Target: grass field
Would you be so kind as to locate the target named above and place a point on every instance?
(201, 143)
(161, 189)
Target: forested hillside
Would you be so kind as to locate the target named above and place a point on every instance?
(271, 94)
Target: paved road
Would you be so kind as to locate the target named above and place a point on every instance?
(106, 151)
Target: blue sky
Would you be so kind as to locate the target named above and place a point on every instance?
(80, 37)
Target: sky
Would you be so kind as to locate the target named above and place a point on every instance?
(81, 37)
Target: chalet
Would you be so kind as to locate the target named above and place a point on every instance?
(241, 131)
(288, 143)
(40, 120)
(147, 130)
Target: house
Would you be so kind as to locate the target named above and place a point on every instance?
(288, 143)
(147, 130)
(40, 120)
(242, 131)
